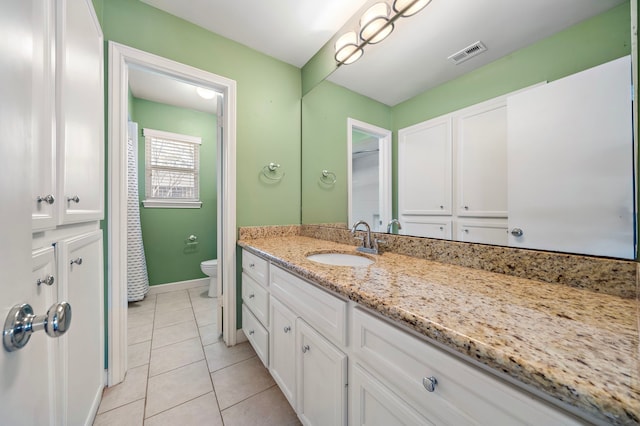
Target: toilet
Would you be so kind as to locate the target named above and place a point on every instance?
(210, 268)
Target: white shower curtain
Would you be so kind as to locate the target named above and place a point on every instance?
(137, 277)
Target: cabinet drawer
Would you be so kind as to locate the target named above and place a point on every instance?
(463, 394)
(324, 312)
(257, 335)
(256, 298)
(255, 267)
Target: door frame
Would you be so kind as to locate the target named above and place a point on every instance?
(120, 57)
(384, 172)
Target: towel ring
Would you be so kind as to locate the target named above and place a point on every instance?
(270, 172)
(328, 178)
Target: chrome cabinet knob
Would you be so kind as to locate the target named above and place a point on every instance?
(305, 348)
(48, 280)
(251, 296)
(251, 332)
(517, 232)
(287, 328)
(75, 199)
(49, 199)
(77, 261)
(21, 323)
(429, 383)
(252, 265)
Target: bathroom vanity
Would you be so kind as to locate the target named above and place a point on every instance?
(412, 341)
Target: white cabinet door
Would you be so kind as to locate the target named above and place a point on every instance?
(321, 375)
(24, 371)
(481, 167)
(80, 270)
(282, 349)
(424, 168)
(426, 226)
(80, 116)
(567, 140)
(43, 157)
(373, 404)
(483, 231)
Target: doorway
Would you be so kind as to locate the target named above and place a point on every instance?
(369, 174)
(121, 58)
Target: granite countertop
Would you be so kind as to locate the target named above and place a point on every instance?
(578, 346)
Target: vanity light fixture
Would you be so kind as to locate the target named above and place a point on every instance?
(409, 8)
(376, 23)
(206, 93)
(347, 50)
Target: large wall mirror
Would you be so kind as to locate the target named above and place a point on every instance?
(407, 80)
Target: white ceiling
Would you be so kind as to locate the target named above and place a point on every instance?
(149, 85)
(412, 59)
(289, 30)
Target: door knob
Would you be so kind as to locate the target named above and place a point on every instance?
(49, 199)
(21, 323)
(517, 232)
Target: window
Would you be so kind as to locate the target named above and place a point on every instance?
(172, 164)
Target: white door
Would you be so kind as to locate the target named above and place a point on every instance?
(282, 349)
(80, 269)
(24, 381)
(424, 168)
(80, 113)
(321, 375)
(569, 142)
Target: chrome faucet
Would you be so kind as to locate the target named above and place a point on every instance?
(368, 246)
(390, 224)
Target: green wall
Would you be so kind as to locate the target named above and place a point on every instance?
(268, 102)
(165, 231)
(587, 44)
(324, 146)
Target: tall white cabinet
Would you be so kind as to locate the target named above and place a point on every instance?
(55, 134)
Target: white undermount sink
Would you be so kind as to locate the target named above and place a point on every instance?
(340, 259)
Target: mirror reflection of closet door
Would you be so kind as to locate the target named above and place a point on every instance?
(567, 139)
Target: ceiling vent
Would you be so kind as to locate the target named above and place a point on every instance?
(468, 52)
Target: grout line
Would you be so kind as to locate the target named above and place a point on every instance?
(250, 396)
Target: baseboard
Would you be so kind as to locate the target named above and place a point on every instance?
(240, 336)
(180, 285)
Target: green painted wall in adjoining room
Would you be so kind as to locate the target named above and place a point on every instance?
(325, 111)
(268, 102)
(165, 231)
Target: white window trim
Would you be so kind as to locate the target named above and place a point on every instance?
(165, 202)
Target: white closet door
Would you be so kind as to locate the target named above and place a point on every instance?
(81, 284)
(571, 163)
(481, 144)
(424, 168)
(80, 111)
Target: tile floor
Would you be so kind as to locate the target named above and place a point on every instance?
(180, 372)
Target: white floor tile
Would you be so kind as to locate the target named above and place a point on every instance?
(200, 411)
(177, 387)
(220, 356)
(128, 415)
(173, 317)
(209, 334)
(131, 389)
(138, 354)
(268, 408)
(174, 333)
(240, 381)
(173, 356)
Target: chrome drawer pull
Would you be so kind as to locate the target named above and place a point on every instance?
(287, 328)
(75, 199)
(77, 261)
(251, 296)
(429, 383)
(252, 265)
(305, 348)
(251, 332)
(48, 280)
(49, 199)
